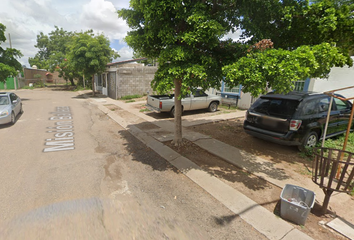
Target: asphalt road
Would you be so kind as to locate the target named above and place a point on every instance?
(70, 172)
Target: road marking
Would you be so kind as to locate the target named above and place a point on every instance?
(63, 131)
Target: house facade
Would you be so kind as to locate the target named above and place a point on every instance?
(338, 78)
(125, 78)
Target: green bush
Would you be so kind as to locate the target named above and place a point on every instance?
(39, 84)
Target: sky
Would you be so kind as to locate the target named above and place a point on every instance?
(25, 19)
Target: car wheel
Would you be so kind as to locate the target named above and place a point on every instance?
(21, 109)
(310, 140)
(13, 118)
(213, 106)
(172, 112)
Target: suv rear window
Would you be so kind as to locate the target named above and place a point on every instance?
(283, 108)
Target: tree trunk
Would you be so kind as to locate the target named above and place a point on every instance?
(72, 82)
(93, 85)
(177, 140)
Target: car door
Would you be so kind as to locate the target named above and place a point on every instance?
(199, 100)
(323, 111)
(344, 108)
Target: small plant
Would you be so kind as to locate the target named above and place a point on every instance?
(307, 153)
(39, 84)
(37, 76)
(129, 97)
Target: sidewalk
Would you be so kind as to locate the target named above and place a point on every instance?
(261, 219)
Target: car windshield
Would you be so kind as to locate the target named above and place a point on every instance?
(284, 108)
(4, 100)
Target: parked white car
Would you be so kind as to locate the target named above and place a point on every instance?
(10, 107)
(199, 100)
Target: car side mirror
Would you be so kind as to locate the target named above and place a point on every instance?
(14, 101)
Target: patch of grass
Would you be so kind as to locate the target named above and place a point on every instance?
(129, 101)
(28, 87)
(129, 97)
(226, 107)
(144, 110)
(79, 88)
(338, 142)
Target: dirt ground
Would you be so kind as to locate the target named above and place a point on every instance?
(259, 190)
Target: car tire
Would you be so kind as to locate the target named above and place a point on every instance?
(172, 112)
(21, 109)
(13, 118)
(310, 140)
(213, 107)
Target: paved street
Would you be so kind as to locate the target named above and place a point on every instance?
(69, 171)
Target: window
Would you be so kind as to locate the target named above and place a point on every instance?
(200, 93)
(99, 80)
(310, 107)
(4, 100)
(13, 97)
(231, 90)
(276, 107)
(324, 104)
(340, 104)
(299, 86)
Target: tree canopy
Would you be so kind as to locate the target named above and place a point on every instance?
(188, 39)
(58, 49)
(9, 65)
(90, 54)
(52, 52)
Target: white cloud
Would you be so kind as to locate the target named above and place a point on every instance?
(24, 19)
(101, 15)
(125, 53)
(234, 36)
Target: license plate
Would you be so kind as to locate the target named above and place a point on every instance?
(269, 122)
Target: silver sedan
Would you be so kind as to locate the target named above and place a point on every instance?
(10, 107)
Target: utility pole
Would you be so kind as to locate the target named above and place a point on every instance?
(10, 41)
(14, 76)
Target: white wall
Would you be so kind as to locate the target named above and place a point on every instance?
(338, 78)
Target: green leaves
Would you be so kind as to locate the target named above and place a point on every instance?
(279, 69)
(89, 53)
(8, 58)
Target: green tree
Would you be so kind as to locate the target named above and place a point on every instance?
(273, 68)
(9, 65)
(52, 52)
(291, 24)
(187, 39)
(90, 53)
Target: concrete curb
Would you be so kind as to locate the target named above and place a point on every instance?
(257, 216)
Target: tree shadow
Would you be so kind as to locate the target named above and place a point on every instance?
(143, 154)
(218, 167)
(225, 220)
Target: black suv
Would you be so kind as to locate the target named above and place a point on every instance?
(296, 118)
